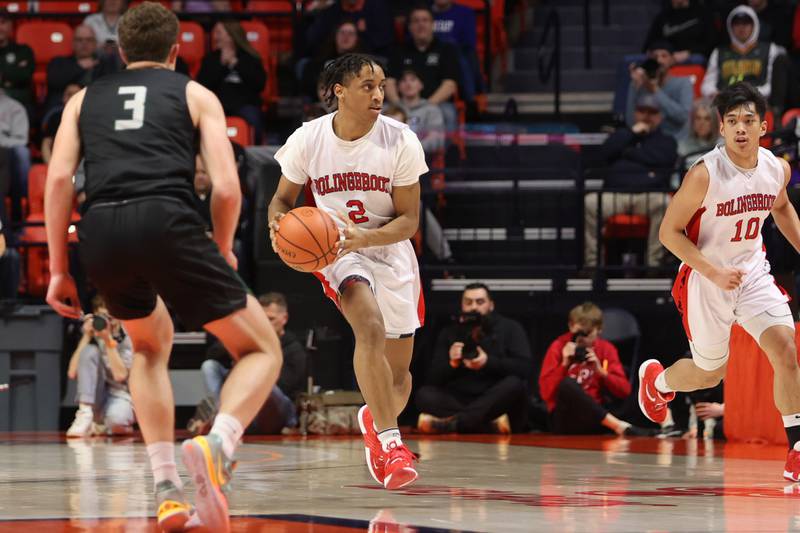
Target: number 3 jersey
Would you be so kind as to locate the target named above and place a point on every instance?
(727, 227)
(137, 137)
(354, 178)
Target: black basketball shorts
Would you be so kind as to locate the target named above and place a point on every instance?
(136, 249)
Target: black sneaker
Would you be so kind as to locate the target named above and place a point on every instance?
(636, 431)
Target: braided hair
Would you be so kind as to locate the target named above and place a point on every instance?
(341, 70)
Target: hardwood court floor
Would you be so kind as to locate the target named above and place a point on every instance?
(481, 483)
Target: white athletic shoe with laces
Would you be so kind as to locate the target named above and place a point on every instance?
(82, 425)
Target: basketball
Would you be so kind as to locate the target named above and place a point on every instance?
(307, 239)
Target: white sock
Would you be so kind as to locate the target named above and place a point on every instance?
(230, 430)
(390, 438)
(162, 462)
(669, 421)
(661, 383)
(621, 427)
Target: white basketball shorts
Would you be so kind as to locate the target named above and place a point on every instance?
(393, 274)
(708, 312)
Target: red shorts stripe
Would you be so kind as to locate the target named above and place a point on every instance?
(680, 294)
(328, 290)
(421, 307)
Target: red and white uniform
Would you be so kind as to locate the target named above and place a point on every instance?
(356, 178)
(727, 230)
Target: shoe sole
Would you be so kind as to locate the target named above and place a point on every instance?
(210, 502)
(401, 478)
(175, 520)
(642, 369)
(790, 476)
(366, 448)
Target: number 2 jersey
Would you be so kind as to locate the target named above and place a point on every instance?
(137, 137)
(727, 227)
(355, 178)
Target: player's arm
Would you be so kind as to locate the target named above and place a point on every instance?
(784, 213)
(58, 194)
(217, 153)
(401, 228)
(680, 211)
(282, 202)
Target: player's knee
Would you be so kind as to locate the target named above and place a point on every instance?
(783, 355)
(371, 332)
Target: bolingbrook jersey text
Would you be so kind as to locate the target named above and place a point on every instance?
(746, 204)
(350, 181)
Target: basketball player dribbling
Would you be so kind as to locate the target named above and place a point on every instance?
(364, 168)
(713, 224)
(142, 245)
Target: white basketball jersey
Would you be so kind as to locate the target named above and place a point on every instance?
(727, 227)
(353, 177)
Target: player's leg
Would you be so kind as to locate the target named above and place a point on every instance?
(151, 391)
(774, 330)
(398, 355)
(250, 339)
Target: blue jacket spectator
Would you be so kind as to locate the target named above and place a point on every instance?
(455, 24)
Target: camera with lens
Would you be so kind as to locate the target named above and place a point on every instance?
(650, 67)
(99, 322)
(580, 349)
(473, 327)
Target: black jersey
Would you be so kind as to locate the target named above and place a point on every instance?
(137, 137)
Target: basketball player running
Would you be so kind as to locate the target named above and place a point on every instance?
(143, 245)
(364, 168)
(713, 224)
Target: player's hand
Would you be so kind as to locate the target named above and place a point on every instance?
(62, 295)
(706, 410)
(567, 352)
(727, 278)
(353, 237)
(231, 259)
(456, 350)
(476, 363)
(273, 229)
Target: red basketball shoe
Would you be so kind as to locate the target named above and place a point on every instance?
(652, 402)
(376, 457)
(399, 468)
(792, 469)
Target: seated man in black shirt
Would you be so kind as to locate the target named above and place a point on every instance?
(279, 410)
(83, 66)
(9, 257)
(477, 378)
(436, 63)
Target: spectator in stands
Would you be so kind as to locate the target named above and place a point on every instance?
(201, 6)
(345, 39)
(279, 411)
(83, 66)
(747, 59)
(640, 158)
(9, 257)
(17, 65)
(372, 18)
(101, 363)
(689, 28)
(579, 371)
(424, 119)
(674, 94)
(52, 120)
(478, 372)
(435, 62)
(14, 128)
(105, 22)
(455, 24)
(235, 73)
(703, 135)
(774, 22)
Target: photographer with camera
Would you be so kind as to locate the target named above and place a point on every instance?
(478, 374)
(673, 94)
(100, 363)
(580, 370)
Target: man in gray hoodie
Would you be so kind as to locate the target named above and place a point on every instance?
(424, 119)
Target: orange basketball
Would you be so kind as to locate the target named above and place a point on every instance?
(307, 239)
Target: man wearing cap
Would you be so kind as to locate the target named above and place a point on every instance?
(745, 59)
(640, 159)
(16, 64)
(674, 94)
